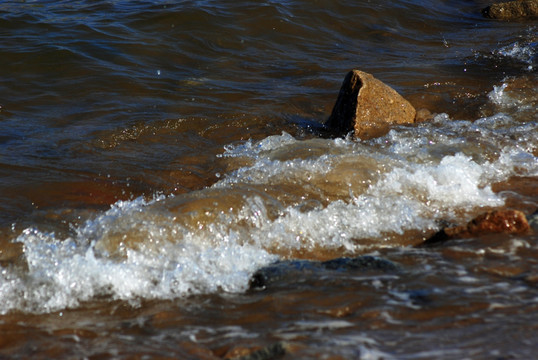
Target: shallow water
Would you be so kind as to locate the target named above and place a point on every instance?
(156, 155)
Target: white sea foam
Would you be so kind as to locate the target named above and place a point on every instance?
(508, 101)
(63, 272)
(521, 51)
(330, 194)
(498, 96)
(517, 97)
(252, 149)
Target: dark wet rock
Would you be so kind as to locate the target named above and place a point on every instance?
(368, 107)
(279, 271)
(491, 222)
(294, 269)
(512, 10)
(359, 263)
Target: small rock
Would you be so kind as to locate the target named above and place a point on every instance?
(512, 10)
(368, 106)
(497, 221)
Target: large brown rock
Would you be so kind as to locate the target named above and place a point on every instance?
(491, 222)
(513, 10)
(368, 107)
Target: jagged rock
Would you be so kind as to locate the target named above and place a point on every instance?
(512, 10)
(498, 221)
(368, 106)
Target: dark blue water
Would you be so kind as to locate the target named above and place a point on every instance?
(154, 155)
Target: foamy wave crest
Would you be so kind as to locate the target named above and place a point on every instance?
(407, 180)
(310, 198)
(517, 96)
(64, 272)
(519, 51)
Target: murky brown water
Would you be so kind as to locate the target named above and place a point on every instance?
(155, 156)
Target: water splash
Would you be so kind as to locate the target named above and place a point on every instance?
(286, 197)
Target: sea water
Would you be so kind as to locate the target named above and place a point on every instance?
(155, 156)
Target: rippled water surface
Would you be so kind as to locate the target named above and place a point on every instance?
(167, 190)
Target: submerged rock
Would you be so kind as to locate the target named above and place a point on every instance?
(362, 263)
(491, 222)
(368, 106)
(292, 270)
(512, 10)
